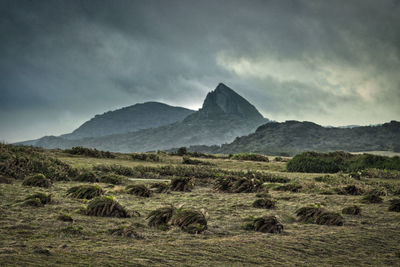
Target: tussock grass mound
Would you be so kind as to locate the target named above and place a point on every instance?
(87, 176)
(263, 194)
(159, 187)
(38, 180)
(352, 210)
(85, 191)
(139, 190)
(330, 218)
(351, 190)
(161, 217)
(106, 206)
(65, 217)
(309, 214)
(394, 205)
(6, 180)
(315, 214)
(43, 198)
(33, 202)
(243, 185)
(126, 231)
(112, 178)
(372, 198)
(250, 156)
(378, 191)
(264, 203)
(21, 161)
(265, 224)
(193, 222)
(183, 184)
(89, 152)
(295, 188)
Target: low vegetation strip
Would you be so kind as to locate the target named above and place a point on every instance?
(89, 152)
(250, 156)
(333, 162)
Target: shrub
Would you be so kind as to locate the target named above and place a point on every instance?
(190, 221)
(145, 157)
(183, 184)
(111, 178)
(330, 218)
(89, 152)
(21, 161)
(159, 187)
(37, 180)
(106, 206)
(352, 210)
(246, 185)
(290, 187)
(372, 198)
(250, 156)
(264, 203)
(85, 191)
(87, 176)
(265, 224)
(187, 160)
(181, 151)
(139, 190)
(161, 217)
(65, 217)
(394, 205)
(6, 180)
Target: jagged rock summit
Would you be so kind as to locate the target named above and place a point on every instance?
(224, 100)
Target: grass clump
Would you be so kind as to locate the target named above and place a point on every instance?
(234, 185)
(350, 190)
(394, 205)
(89, 152)
(161, 217)
(87, 176)
(295, 188)
(318, 215)
(106, 206)
(65, 217)
(85, 191)
(265, 224)
(352, 210)
(183, 184)
(264, 203)
(159, 187)
(43, 198)
(250, 156)
(72, 230)
(38, 180)
(126, 231)
(145, 157)
(33, 202)
(372, 198)
(190, 221)
(139, 190)
(6, 180)
(112, 178)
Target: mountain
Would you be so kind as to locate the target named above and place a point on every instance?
(224, 116)
(292, 137)
(130, 119)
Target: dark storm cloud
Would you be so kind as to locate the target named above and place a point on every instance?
(64, 61)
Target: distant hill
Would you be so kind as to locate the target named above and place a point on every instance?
(224, 116)
(292, 137)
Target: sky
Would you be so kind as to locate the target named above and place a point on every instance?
(330, 62)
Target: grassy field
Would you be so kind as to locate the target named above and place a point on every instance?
(36, 235)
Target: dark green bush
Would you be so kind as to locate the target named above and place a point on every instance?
(250, 156)
(112, 178)
(89, 152)
(87, 176)
(187, 160)
(265, 224)
(37, 180)
(145, 157)
(181, 151)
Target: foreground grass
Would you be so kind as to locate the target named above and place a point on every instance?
(36, 236)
